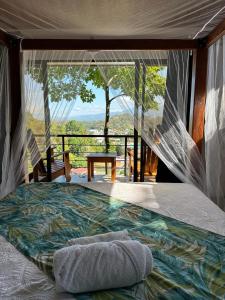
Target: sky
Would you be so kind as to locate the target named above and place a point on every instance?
(65, 110)
(78, 108)
(96, 107)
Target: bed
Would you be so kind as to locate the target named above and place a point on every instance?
(40, 218)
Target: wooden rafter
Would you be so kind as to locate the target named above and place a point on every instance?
(217, 33)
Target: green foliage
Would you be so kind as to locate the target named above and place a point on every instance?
(67, 82)
(122, 78)
(79, 146)
(64, 83)
(37, 126)
(119, 150)
(118, 124)
(95, 76)
(75, 127)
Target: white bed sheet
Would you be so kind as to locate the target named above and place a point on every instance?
(180, 201)
(20, 279)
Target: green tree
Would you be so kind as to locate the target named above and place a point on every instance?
(64, 82)
(68, 82)
(121, 79)
(78, 145)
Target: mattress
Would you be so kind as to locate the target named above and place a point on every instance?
(180, 201)
(40, 218)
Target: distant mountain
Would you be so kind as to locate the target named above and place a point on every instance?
(120, 123)
(94, 117)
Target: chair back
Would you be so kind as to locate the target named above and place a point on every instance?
(130, 153)
(36, 159)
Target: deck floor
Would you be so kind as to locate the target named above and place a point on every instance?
(82, 178)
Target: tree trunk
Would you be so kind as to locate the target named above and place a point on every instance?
(107, 116)
(106, 127)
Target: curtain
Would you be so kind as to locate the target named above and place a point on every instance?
(5, 123)
(150, 86)
(177, 87)
(215, 124)
(160, 111)
(52, 81)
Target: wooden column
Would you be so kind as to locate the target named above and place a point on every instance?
(190, 74)
(200, 96)
(136, 104)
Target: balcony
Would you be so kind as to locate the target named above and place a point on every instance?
(82, 145)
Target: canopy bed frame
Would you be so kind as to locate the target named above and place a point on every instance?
(183, 237)
(198, 46)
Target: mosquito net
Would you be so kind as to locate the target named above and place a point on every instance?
(150, 86)
(215, 124)
(174, 19)
(4, 119)
(154, 91)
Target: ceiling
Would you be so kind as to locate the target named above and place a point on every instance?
(120, 19)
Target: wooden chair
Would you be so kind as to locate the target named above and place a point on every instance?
(130, 153)
(151, 163)
(58, 167)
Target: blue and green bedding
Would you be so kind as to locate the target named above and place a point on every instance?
(189, 263)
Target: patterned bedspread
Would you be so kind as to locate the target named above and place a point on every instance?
(189, 263)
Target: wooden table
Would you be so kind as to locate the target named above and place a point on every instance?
(103, 158)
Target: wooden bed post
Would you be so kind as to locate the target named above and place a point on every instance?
(200, 96)
(201, 83)
(4, 39)
(143, 144)
(15, 82)
(136, 105)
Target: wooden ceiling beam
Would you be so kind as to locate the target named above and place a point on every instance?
(108, 44)
(216, 33)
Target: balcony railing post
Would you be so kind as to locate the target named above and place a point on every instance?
(63, 145)
(125, 157)
(49, 167)
(143, 160)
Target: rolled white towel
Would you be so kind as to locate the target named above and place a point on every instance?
(101, 266)
(104, 237)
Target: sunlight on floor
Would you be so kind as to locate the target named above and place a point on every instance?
(98, 178)
(75, 178)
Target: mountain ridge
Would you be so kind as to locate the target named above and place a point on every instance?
(93, 117)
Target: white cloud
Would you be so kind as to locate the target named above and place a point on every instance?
(77, 109)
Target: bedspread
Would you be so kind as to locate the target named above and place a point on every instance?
(189, 263)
